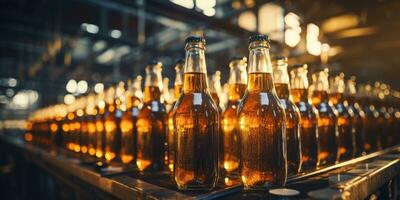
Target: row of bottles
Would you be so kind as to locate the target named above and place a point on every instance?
(273, 124)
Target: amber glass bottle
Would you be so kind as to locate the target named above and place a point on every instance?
(83, 131)
(196, 124)
(230, 121)
(309, 118)
(178, 84)
(262, 123)
(293, 138)
(110, 126)
(130, 105)
(327, 121)
(71, 127)
(91, 124)
(151, 122)
(357, 118)
(371, 117)
(100, 110)
(345, 118)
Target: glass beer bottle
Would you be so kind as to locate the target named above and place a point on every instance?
(129, 106)
(345, 128)
(196, 124)
(151, 122)
(100, 110)
(230, 121)
(308, 119)
(214, 82)
(110, 126)
(327, 121)
(91, 123)
(371, 116)
(357, 118)
(262, 123)
(178, 84)
(293, 139)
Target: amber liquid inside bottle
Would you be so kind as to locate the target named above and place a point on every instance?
(110, 132)
(128, 131)
(84, 135)
(230, 128)
(357, 123)
(100, 133)
(196, 124)
(71, 131)
(170, 134)
(371, 126)
(327, 129)
(345, 128)
(127, 137)
(309, 130)
(151, 125)
(262, 133)
(91, 127)
(294, 160)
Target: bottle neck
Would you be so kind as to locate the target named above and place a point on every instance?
(280, 73)
(195, 60)
(152, 93)
(153, 84)
(195, 72)
(260, 69)
(259, 60)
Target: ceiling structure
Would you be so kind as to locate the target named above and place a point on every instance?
(45, 43)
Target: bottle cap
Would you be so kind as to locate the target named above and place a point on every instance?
(258, 38)
(238, 58)
(195, 39)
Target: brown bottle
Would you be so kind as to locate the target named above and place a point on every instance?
(130, 106)
(345, 117)
(262, 123)
(82, 137)
(71, 128)
(196, 124)
(357, 118)
(308, 120)
(327, 121)
(110, 126)
(371, 117)
(170, 132)
(91, 124)
(293, 138)
(100, 110)
(151, 122)
(384, 118)
(230, 121)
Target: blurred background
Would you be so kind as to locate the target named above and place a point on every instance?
(54, 50)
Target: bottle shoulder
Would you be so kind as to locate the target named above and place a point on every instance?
(261, 104)
(195, 102)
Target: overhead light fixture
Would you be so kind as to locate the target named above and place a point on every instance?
(90, 28)
(82, 87)
(340, 22)
(313, 45)
(209, 12)
(69, 99)
(271, 21)
(248, 21)
(106, 57)
(115, 33)
(292, 38)
(356, 32)
(12, 82)
(205, 4)
(99, 88)
(189, 4)
(71, 86)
